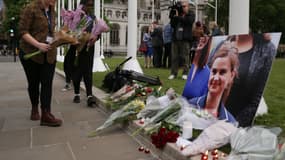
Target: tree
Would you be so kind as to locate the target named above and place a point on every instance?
(12, 14)
(265, 15)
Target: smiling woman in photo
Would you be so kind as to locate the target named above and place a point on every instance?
(224, 68)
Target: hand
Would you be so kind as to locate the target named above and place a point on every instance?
(92, 40)
(43, 47)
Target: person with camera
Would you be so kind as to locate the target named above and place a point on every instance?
(181, 20)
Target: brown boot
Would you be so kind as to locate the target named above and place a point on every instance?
(49, 120)
(35, 115)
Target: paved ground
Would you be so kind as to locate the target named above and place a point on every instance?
(22, 139)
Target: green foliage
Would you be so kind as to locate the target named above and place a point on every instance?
(265, 15)
(274, 96)
(13, 10)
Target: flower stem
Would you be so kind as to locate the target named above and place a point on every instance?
(29, 55)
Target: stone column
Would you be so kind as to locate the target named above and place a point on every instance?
(122, 34)
(164, 4)
(132, 38)
(59, 57)
(98, 65)
(239, 17)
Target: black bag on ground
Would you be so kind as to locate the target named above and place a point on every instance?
(115, 80)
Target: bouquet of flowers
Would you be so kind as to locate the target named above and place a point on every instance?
(173, 107)
(128, 93)
(74, 24)
(60, 38)
(163, 136)
(124, 114)
(75, 20)
(200, 118)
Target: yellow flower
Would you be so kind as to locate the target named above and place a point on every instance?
(140, 105)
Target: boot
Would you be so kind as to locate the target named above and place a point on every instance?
(35, 115)
(91, 101)
(49, 120)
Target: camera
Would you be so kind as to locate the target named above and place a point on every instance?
(177, 6)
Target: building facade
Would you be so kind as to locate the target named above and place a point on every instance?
(116, 12)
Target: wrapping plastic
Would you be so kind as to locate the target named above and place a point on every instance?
(281, 153)
(215, 136)
(200, 118)
(154, 105)
(255, 143)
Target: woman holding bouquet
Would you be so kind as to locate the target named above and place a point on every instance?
(36, 28)
(84, 63)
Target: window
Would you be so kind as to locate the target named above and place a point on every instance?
(109, 13)
(139, 15)
(118, 14)
(145, 17)
(114, 34)
(124, 14)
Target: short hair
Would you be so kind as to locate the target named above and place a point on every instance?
(230, 52)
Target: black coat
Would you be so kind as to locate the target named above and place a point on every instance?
(186, 22)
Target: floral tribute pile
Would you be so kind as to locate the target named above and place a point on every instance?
(161, 116)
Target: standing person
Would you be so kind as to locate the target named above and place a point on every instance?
(157, 43)
(84, 63)
(167, 39)
(36, 28)
(149, 51)
(216, 31)
(68, 66)
(182, 37)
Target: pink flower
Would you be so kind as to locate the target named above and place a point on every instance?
(99, 27)
(77, 15)
(67, 17)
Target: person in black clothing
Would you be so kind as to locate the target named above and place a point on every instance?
(68, 66)
(157, 43)
(167, 38)
(182, 36)
(83, 65)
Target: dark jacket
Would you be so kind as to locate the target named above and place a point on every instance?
(156, 37)
(186, 22)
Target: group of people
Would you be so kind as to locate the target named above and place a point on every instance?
(36, 29)
(179, 39)
(211, 83)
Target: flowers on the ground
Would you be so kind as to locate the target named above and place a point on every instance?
(161, 115)
(163, 136)
(129, 93)
(124, 114)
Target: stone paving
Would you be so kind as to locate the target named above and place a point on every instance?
(22, 139)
